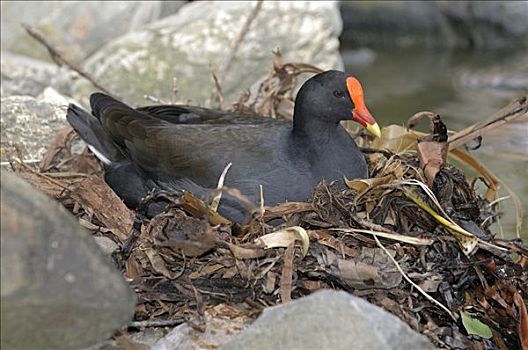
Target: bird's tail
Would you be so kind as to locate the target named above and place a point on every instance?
(91, 131)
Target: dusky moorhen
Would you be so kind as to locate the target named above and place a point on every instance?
(187, 148)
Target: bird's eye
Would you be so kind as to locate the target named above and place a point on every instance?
(339, 94)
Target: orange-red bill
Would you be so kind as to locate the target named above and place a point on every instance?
(360, 113)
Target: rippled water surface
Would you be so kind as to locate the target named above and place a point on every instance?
(463, 87)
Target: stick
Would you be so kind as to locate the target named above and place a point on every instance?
(423, 292)
(226, 64)
(218, 92)
(156, 323)
(60, 60)
(512, 111)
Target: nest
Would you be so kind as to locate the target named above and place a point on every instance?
(415, 238)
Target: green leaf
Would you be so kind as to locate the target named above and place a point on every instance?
(474, 326)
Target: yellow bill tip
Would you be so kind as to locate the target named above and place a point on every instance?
(374, 129)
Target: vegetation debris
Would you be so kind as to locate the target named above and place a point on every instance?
(416, 238)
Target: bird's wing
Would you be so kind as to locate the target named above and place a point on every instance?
(181, 114)
(197, 151)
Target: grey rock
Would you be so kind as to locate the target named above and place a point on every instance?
(106, 245)
(27, 76)
(222, 323)
(29, 123)
(57, 290)
(328, 320)
(148, 337)
(474, 24)
(76, 28)
(193, 43)
(487, 24)
(144, 339)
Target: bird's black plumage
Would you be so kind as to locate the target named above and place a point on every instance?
(187, 148)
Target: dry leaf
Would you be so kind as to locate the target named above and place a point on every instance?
(285, 237)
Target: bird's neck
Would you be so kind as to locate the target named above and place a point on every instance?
(313, 129)
(321, 140)
(310, 126)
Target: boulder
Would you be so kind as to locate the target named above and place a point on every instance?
(487, 24)
(222, 323)
(193, 43)
(26, 76)
(76, 28)
(28, 124)
(58, 291)
(328, 320)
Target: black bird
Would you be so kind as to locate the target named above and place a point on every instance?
(177, 147)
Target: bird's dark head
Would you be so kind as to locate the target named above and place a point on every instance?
(332, 96)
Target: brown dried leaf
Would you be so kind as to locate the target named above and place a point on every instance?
(362, 186)
(230, 272)
(312, 286)
(243, 269)
(132, 267)
(269, 282)
(328, 240)
(431, 283)
(272, 95)
(493, 181)
(523, 320)
(372, 269)
(432, 149)
(86, 163)
(60, 142)
(246, 253)
(158, 264)
(206, 271)
(183, 234)
(433, 156)
(286, 208)
(198, 208)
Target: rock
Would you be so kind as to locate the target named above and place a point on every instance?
(76, 28)
(222, 323)
(467, 24)
(26, 76)
(144, 339)
(191, 44)
(57, 291)
(328, 320)
(487, 24)
(148, 337)
(30, 123)
(106, 245)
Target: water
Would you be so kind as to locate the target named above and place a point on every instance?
(463, 87)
